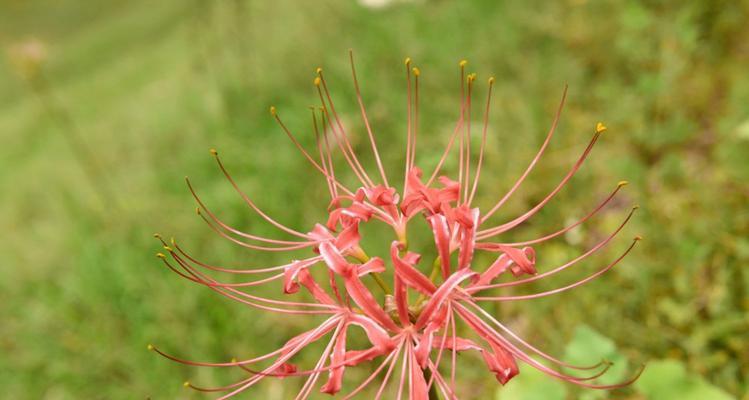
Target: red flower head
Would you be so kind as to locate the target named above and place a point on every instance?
(417, 320)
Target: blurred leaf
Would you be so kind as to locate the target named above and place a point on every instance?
(589, 347)
(669, 380)
(532, 384)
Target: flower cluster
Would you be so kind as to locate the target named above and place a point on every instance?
(417, 315)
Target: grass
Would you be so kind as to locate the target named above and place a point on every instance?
(150, 88)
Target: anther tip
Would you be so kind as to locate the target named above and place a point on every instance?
(213, 153)
(600, 127)
(186, 384)
(150, 347)
(167, 248)
(491, 80)
(317, 81)
(157, 236)
(416, 71)
(273, 111)
(635, 207)
(638, 238)
(160, 255)
(407, 61)
(234, 360)
(318, 70)
(197, 210)
(174, 242)
(463, 63)
(623, 183)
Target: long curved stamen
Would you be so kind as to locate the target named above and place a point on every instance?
(404, 368)
(310, 383)
(231, 270)
(238, 295)
(236, 231)
(328, 152)
(562, 289)
(389, 372)
(417, 72)
(483, 140)
(323, 161)
(479, 324)
(251, 381)
(408, 123)
(533, 162)
(250, 245)
(274, 113)
(341, 132)
(463, 111)
(568, 228)
(371, 377)
(366, 120)
(467, 179)
(562, 267)
(252, 204)
(537, 351)
(517, 221)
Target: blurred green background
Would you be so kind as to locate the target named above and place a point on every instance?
(105, 106)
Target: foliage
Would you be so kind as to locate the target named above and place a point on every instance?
(151, 86)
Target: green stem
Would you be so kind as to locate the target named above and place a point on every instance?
(432, 390)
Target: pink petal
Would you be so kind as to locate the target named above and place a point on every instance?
(441, 232)
(335, 378)
(410, 275)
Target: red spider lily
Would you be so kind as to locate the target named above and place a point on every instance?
(418, 335)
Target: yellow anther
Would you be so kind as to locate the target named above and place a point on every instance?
(317, 81)
(150, 347)
(214, 152)
(174, 242)
(638, 238)
(234, 360)
(167, 248)
(273, 111)
(491, 80)
(197, 210)
(407, 61)
(600, 127)
(186, 384)
(416, 71)
(462, 63)
(623, 183)
(635, 207)
(157, 236)
(160, 255)
(318, 70)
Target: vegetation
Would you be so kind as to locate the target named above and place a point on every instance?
(105, 106)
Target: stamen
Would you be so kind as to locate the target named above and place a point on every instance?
(509, 225)
(253, 206)
(356, 165)
(570, 227)
(409, 122)
(483, 140)
(562, 289)
(533, 162)
(366, 120)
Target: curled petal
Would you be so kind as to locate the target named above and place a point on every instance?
(291, 273)
(306, 279)
(374, 265)
(335, 378)
(442, 294)
(410, 275)
(441, 232)
(468, 240)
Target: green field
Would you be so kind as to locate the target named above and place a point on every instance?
(128, 98)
